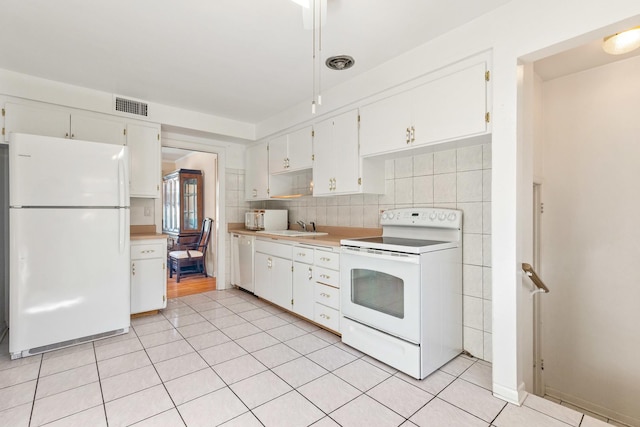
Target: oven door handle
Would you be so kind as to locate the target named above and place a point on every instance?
(372, 253)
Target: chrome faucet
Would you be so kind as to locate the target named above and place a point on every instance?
(302, 224)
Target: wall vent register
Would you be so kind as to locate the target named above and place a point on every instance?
(131, 107)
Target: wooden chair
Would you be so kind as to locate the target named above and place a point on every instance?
(191, 258)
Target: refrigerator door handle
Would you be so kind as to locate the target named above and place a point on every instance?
(122, 181)
(122, 223)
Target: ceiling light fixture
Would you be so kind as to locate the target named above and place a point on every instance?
(623, 42)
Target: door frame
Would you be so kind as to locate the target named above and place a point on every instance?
(538, 360)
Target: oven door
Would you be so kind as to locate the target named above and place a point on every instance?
(381, 289)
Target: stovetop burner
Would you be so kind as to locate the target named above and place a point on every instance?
(398, 241)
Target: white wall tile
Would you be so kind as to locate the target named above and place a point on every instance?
(486, 250)
(469, 186)
(487, 284)
(472, 217)
(486, 156)
(472, 249)
(388, 198)
(356, 216)
(444, 161)
(473, 341)
(423, 189)
(371, 216)
(343, 200)
(486, 217)
(469, 158)
(487, 313)
(423, 164)
(472, 312)
(371, 199)
(332, 215)
(486, 185)
(357, 199)
(444, 188)
(472, 280)
(389, 169)
(404, 191)
(344, 216)
(403, 167)
(488, 349)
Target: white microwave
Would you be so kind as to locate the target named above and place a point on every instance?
(266, 219)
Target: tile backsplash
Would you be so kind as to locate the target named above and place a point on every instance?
(458, 179)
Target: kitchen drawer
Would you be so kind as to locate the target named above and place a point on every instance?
(147, 251)
(281, 250)
(328, 259)
(327, 295)
(302, 254)
(326, 316)
(328, 277)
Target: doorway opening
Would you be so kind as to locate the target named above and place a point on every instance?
(585, 150)
(181, 214)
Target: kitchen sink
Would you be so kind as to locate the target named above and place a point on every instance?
(293, 233)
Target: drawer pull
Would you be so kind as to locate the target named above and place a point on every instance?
(324, 316)
(301, 254)
(324, 276)
(325, 259)
(325, 295)
(148, 251)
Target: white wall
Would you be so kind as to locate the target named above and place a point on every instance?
(205, 162)
(591, 237)
(4, 234)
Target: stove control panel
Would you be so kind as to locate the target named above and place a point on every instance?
(422, 217)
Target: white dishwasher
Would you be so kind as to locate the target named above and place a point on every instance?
(242, 261)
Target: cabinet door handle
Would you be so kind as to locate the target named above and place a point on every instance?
(255, 193)
(413, 134)
(269, 263)
(407, 136)
(310, 273)
(133, 268)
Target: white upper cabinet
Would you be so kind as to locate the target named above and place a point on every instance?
(145, 157)
(337, 167)
(257, 172)
(97, 129)
(278, 154)
(62, 124)
(452, 106)
(36, 121)
(291, 152)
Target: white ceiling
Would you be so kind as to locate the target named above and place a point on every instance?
(584, 57)
(241, 59)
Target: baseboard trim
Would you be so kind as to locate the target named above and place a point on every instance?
(510, 395)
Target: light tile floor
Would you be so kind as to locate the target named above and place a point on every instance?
(228, 358)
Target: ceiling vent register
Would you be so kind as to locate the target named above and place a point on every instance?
(132, 107)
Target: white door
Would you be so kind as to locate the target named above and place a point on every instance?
(148, 285)
(382, 291)
(97, 129)
(36, 121)
(300, 149)
(144, 154)
(303, 289)
(278, 154)
(384, 125)
(69, 275)
(47, 171)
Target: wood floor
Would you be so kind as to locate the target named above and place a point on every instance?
(189, 285)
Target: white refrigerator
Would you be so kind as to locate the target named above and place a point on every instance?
(69, 254)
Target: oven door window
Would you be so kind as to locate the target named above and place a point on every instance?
(378, 291)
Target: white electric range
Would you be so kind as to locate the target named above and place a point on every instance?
(401, 292)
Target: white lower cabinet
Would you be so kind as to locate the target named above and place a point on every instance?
(148, 275)
(273, 272)
(326, 310)
(304, 279)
